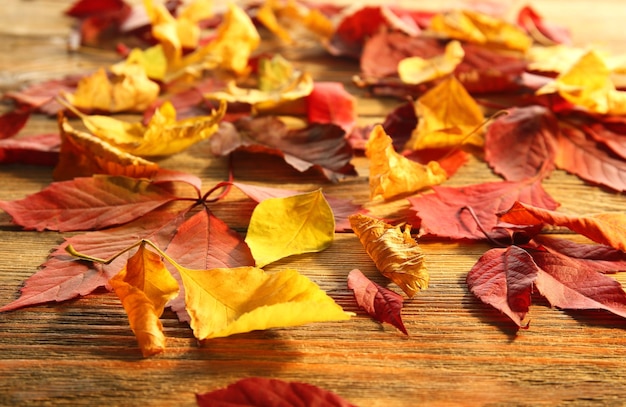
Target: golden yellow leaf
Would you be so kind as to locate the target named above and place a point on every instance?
(83, 155)
(395, 253)
(391, 174)
(145, 286)
(278, 82)
(286, 18)
(588, 84)
(223, 302)
(447, 116)
(416, 70)
(281, 227)
(472, 26)
(128, 89)
(152, 60)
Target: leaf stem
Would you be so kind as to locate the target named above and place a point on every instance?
(70, 249)
(480, 226)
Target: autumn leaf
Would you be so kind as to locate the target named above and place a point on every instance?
(534, 132)
(606, 228)
(395, 253)
(479, 28)
(581, 155)
(610, 134)
(392, 175)
(144, 286)
(288, 20)
(223, 302)
(83, 154)
(320, 146)
(40, 149)
(446, 212)
(541, 30)
(329, 102)
(447, 116)
(379, 302)
(13, 121)
(129, 89)
(281, 227)
(152, 60)
(257, 391)
(415, 70)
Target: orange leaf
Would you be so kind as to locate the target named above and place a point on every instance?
(144, 286)
(395, 253)
(83, 155)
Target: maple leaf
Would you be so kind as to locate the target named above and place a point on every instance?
(395, 253)
(606, 228)
(380, 303)
(580, 155)
(329, 102)
(83, 155)
(391, 174)
(472, 26)
(444, 213)
(41, 149)
(144, 286)
(447, 116)
(534, 131)
(257, 391)
(280, 227)
(223, 302)
(321, 146)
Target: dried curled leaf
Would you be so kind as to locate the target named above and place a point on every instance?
(395, 253)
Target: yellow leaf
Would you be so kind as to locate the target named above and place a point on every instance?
(144, 286)
(278, 82)
(129, 89)
(287, 18)
(223, 302)
(447, 116)
(471, 26)
(588, 84)
(392, 174)
(395, 253)
(152, 60)
(83, 155)
(281, 227)
(416, 70)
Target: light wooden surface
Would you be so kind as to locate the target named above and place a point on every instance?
(459, 352)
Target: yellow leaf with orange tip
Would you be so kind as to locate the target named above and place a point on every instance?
(588, 84)
(278, 82)
(223, 302)
(479, 28)
(448, 116)
(281, 227)
(287, 20)
(395, 253)
(164, 135)
(177, 33)
(391, 174)
(145, 286)
(83, 155)
(416, 70)
(128, 89)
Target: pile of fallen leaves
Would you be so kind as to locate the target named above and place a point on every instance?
(516, 94)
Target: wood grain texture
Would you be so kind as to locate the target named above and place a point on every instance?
(460, 352)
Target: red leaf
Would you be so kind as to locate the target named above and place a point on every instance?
(321, 146)
(261, 392)
(380, 303)
(503, 278)
(12, 122)
(330, 103)
(400, 123)
(613, 135)
(87, 203)
(443, 213)
(540, 30)
(533, 131)
(62, 277)
(42, 149)
(567, 285)
(86, 8)
(42, 95)
(606, 228)
(580, 155)
(449, 160)
(603, 259)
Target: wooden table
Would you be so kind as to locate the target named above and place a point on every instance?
(459, 352)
